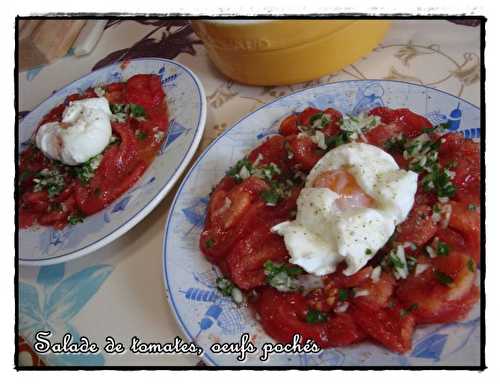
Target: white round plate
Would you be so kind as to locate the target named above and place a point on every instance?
(206, 318)
(187, 114)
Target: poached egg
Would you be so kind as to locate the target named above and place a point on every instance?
(84, 132)
(349, 208)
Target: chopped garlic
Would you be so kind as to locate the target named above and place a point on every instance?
(420, 268)
(342, 307)
(432, 253)
(363, 292)
(375, 276)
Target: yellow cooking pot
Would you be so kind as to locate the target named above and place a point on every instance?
(276, 52)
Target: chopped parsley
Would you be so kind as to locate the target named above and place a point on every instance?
(471, 265)
(320, 120)
(343, 137)
(443, 278)
(119, 108)
(228, 289)
(270, 196)
(86, 171)
(75, 218)
(422, 153)
(396, 259)
(24, 175)
(396, 144)
(137, 111)
(282, 276)
(121, 111)
(358, 125)
(343, 294)
(368, 251)
(209, 243)
(442, 249)
(406, 311)
(313, 316)
(472, 207)
(52, 180)
(236, 170)
(141, 135)
(439, 180)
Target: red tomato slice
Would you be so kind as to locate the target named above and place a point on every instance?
(305, 153)
(468, 223)
(283, 315)
(387, 326)
(246, 259)
(289, 126)
(271, 151)
(418, 228)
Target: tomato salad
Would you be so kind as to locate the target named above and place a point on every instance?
(54, 194)
(439, 241)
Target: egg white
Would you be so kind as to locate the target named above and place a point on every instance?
(323, 235)
(85, 132)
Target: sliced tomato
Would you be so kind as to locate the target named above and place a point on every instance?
(305, 153)
(418, 228)
(444, 292)
(468, 223)
(376, 294)
(232, 211)
(289, 125)
(305, 116)
(283, 315)
(410, 123)
(386, 326)
(382, 133)
(342, 281)
(246, 260)
(271, 151)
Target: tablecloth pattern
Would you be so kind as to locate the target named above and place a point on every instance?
(118, 291)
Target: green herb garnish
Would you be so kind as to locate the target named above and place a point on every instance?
(270, 196)
(119, 108)
(343, 294)
(282, 276)
(443, 278)
(442, 249)
(313, 316)
(472, 207)
(440, 181)
(86, 171)
(471, 265)
(227, 288)
(209, 243)
(343, 137)
(236, 169)
(141, 135)
(52, 180)
(137, 111)
(406, 311)
(75, 219)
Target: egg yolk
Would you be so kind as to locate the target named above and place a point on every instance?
(344, 184)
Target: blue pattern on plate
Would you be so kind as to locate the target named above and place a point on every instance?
(431, 347)
(54, 302)
(189, 276)
(187, 111)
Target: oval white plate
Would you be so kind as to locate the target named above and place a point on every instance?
(187, 114)
(206, 317)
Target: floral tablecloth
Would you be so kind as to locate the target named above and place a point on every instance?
(118, 291)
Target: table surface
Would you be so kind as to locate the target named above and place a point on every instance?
(126, 296)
